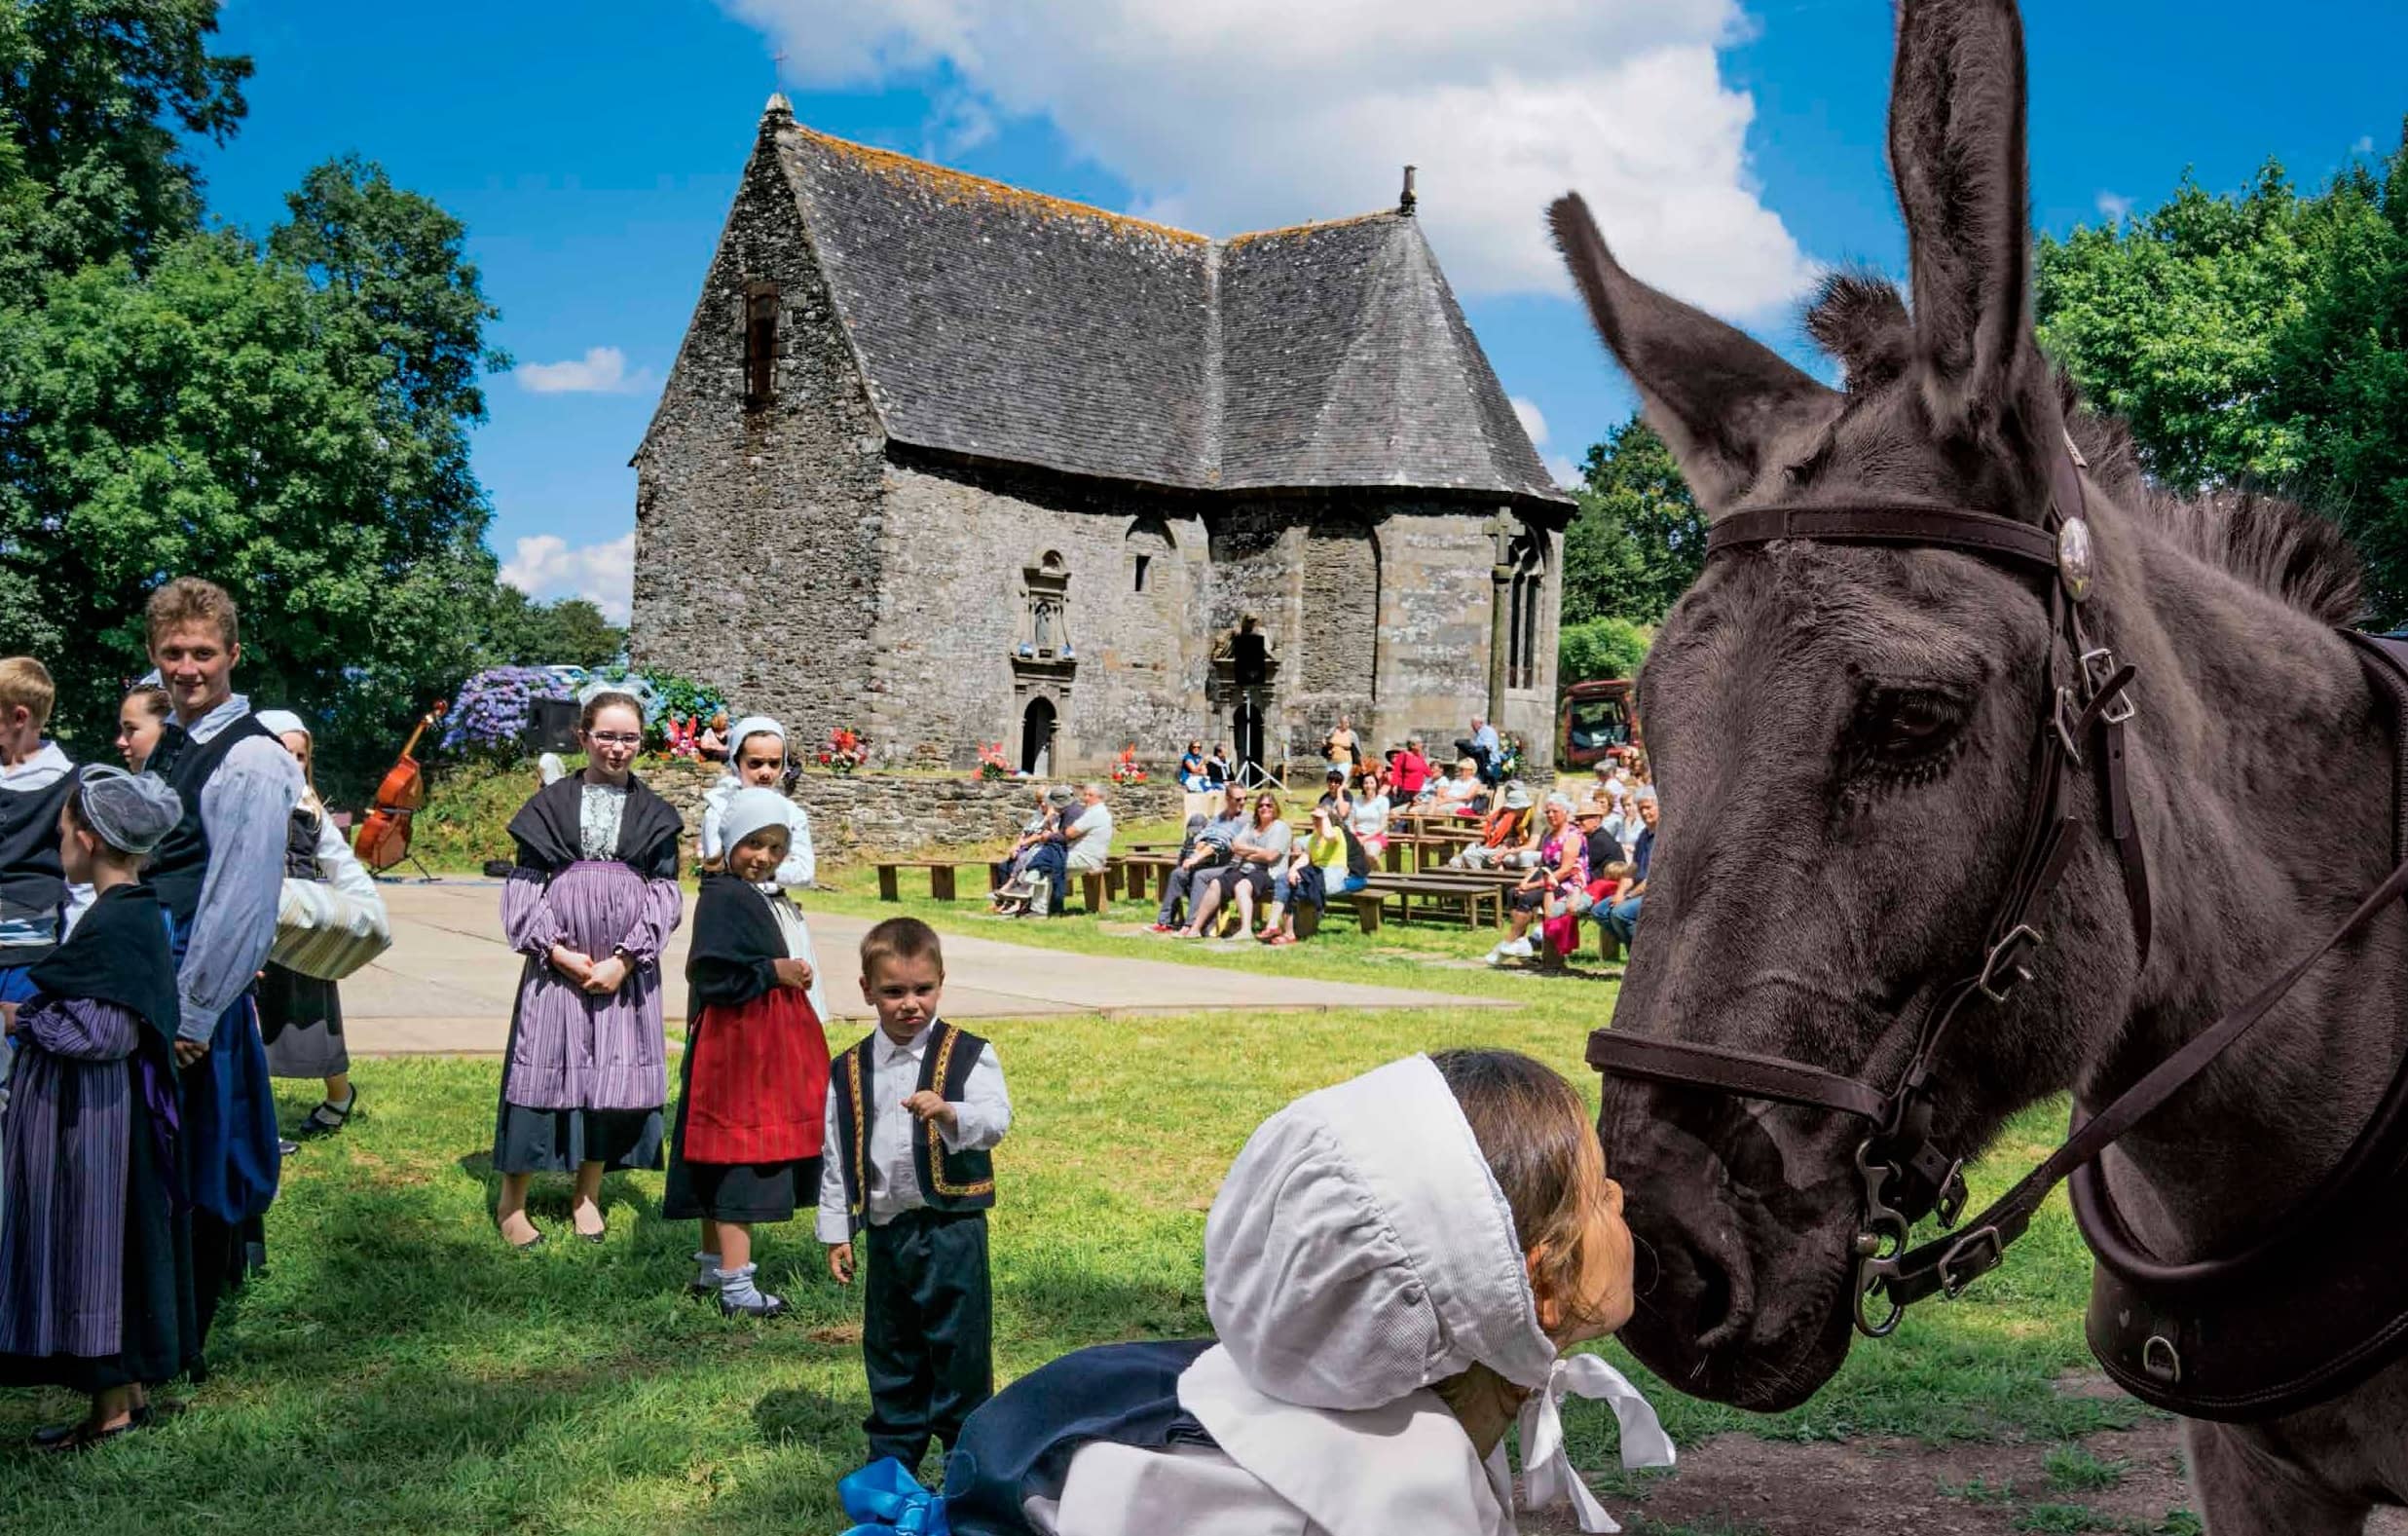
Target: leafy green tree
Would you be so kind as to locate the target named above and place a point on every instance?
(2260, 338)
(1601, 648)
(1637, 541)
(520, 631)
(97, 98)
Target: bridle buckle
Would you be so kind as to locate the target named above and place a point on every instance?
(2003, 971)
(1969, 1259)
(2098, 668)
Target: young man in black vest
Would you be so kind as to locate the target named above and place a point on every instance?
(219, 874)
(913, 1110)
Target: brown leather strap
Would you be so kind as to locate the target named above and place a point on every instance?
(1888, 523)
(1738, 1072)
(1946, 1263)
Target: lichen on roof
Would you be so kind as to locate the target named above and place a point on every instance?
(944, 182)
(1311, 227)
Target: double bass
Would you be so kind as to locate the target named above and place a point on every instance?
(383, 839)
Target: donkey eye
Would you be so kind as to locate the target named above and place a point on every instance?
(1904, 728)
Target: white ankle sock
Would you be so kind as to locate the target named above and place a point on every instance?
(706, 1273)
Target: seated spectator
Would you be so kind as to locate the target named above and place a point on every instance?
(1329, 863)
(1259, 851)
(1192, 775)
(1045, 866)
(1089, 837)
(1217, 768)
(1368, 820)
(1621, 917)
(1458, 793)
(1011, 866)
(1410, 772)
(1483, 746)
(711, 744)
(1608, 866)
(1546, 892)
(1613, 782)
(1334, 796)
(1207, 850)
(1509, 837)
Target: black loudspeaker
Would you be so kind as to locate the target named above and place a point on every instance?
(551, 724)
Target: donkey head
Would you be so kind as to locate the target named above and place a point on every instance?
(1843, 734)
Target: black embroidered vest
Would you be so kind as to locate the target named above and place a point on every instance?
(182, 860)
(948, 1180)
(32, 883)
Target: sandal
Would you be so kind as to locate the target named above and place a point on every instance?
(1280, 940)
(79, 1436)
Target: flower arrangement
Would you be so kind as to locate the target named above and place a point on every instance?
(489, 717)
(1125, 768)
(1512, 750)
(992, 764)
(845, 752)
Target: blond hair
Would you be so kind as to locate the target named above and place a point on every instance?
(27, 683)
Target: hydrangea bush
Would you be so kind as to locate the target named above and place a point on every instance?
(488, 716)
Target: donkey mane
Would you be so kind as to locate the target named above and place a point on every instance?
(2268, 540)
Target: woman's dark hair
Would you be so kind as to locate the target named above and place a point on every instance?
(612, 701)
(1534, 1131)
(152, 697)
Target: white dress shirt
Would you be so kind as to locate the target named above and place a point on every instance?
(245, 808)
(981, 1117)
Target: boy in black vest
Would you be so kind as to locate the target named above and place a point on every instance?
(912, 1111)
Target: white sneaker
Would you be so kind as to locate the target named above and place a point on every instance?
(1516, 949)
(1497, 956)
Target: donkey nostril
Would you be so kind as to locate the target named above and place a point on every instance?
(1713, 1300)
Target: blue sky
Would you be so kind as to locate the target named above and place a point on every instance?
(1731, 150)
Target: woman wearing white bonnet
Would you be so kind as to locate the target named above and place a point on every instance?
(1394, 1267)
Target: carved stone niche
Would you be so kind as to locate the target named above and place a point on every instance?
(1043, 631)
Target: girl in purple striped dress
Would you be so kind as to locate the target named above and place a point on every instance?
(95, 1257)
(591, 903)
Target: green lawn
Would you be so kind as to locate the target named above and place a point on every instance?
(398, 1369)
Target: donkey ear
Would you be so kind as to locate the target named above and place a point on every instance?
(1717, 396)
(1958, 150)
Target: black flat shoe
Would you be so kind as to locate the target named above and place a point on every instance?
(531, 1244)
(696, 1289)
(770, 1307)
(593, 1237)
(61, 1439)
(327, 1118)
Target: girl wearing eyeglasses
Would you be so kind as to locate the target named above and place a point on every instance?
(591, 902)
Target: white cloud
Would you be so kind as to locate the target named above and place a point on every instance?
(602, 370)
(1250, 114)
(2365, 146)
(1532, 420)
(1567, 473)
(547, 567)
(2115, 207)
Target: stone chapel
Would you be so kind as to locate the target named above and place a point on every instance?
(952, 463)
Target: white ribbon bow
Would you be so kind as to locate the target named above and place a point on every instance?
(1548, 1474)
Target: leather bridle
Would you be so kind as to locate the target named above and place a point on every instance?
(1905, 1175)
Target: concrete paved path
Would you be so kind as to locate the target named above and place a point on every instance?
(446, 985)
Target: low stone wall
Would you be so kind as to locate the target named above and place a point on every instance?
(888, 816)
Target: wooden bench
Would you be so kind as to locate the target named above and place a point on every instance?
(1131, 870)
(941, 885)
(1469, 895)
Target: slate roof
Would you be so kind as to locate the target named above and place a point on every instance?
(1001, 324)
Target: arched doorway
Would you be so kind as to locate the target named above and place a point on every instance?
(1037, 739)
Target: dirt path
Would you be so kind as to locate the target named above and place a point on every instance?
(2126, 1482)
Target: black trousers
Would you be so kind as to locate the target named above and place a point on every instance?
(926, 1329)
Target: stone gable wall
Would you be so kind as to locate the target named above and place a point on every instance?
(756, 529)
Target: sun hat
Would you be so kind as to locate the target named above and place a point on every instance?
(1518, 797)
(1360, 1248)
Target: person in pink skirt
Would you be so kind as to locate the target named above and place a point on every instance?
(591, 902)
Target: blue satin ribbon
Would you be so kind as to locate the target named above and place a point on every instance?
(886, 1497)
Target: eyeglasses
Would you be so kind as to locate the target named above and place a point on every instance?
(615, 739)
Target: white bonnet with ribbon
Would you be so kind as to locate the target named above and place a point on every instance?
(1360, 1248)
(748, 811)
(749, 727)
